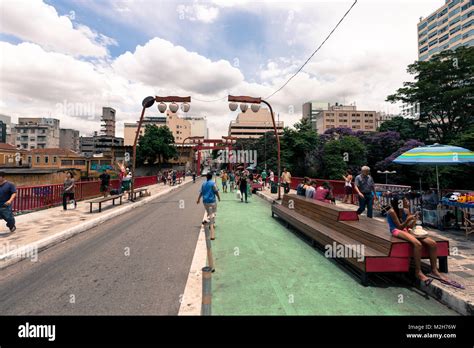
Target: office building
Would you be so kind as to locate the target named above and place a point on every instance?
(198, 126)
(347, 116)
(448, 27)
(7, 121)
(69, 139)
(251, 124)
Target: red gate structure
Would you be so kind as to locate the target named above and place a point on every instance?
(217, 144)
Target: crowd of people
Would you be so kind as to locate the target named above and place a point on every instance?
(171, 177)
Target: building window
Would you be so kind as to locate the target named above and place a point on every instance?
(38, 159)
(46, 159)
(66, 162)
(29, 159)
(79, 162)
(55, 159)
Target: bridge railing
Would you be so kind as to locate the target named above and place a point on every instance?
(44, 196)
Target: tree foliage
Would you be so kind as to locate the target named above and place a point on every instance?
(156, 145)
(443, 88)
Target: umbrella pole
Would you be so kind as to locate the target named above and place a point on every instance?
(437, 183)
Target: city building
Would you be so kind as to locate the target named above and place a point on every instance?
(36, 133)
(99, 144)
(198, 126)
(410, 110)
(312, 109)
(381, 117)
(181, 127)
(7, 121)
(69, 139)
(251, 124)
(108, 122)
(448, 27)
(10, 156)
(347, 116)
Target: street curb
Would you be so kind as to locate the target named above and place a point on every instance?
(11, 258)
(441, 294)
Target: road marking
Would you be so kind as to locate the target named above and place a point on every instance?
(192, 298)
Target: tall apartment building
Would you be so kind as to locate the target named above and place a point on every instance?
(99, 144)
(36, 133)
(108, 122)
(312, 109)
(69, 139)
(448, 27)
(251, 124)
(7, 122)
(337, 115)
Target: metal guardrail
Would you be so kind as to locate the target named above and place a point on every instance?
(31, 198)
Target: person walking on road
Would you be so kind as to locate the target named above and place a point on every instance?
(7, 196)
(194, 177)
(365, 188)
(286, 180)
(224, 179)
(243, 187)
(271, 178)
(209, 192)
(231, 181)
(68, 193)
(264, 178)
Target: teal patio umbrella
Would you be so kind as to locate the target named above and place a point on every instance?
(436, 155)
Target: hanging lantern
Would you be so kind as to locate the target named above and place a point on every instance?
(244, 107)
(233, 106)
(174, 107)
(162, 107)
(185, 107)
(255, 107)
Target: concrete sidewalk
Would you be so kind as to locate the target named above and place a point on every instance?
(460, 263)
(39, 230)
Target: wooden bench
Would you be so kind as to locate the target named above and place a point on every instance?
(142, 192)
(331, 225)
(105, 199)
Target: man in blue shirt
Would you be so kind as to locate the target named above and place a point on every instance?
(208, 193)
(7, 196)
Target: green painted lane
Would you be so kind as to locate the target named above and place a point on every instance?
(262, 268)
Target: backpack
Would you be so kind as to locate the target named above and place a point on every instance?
(300, 190)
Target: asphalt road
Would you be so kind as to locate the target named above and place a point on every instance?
(136, 264)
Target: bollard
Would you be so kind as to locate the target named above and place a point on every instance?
(210, 261)
(206, 290)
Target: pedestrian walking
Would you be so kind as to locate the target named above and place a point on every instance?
(264, 178)
(365, 188)
(104, 183)
(174, 175)
(231, 181)
(194, 177)
(224, 178)
(7, 196)
(286, 180)
(243, 187)
(68, 192)
(271, 177)
(209, 192)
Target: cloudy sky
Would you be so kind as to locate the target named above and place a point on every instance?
(67, 59)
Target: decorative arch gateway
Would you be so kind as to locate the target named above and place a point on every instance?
(212, 144)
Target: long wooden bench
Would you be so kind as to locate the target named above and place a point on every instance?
(105, 199)
(329, 224)
(141, 192)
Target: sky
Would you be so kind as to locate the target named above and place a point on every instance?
(68, 59)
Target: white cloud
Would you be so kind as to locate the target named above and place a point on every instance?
(35, 21)
(198, 12)
(160, 63)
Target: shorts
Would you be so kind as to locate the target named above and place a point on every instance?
(395, 232)
(224, 183)
(211, 209)
(348, 190)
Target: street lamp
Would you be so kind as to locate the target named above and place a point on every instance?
(244, 100)
(146, 103)
(386, 172)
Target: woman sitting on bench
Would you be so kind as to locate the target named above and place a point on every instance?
(400, 222)
(323, 193)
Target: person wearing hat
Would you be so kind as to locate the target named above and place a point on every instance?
(365, 189)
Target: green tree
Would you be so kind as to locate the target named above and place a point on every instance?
(443, 88)
(347, 152)
(156, 145)
(407, 128)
